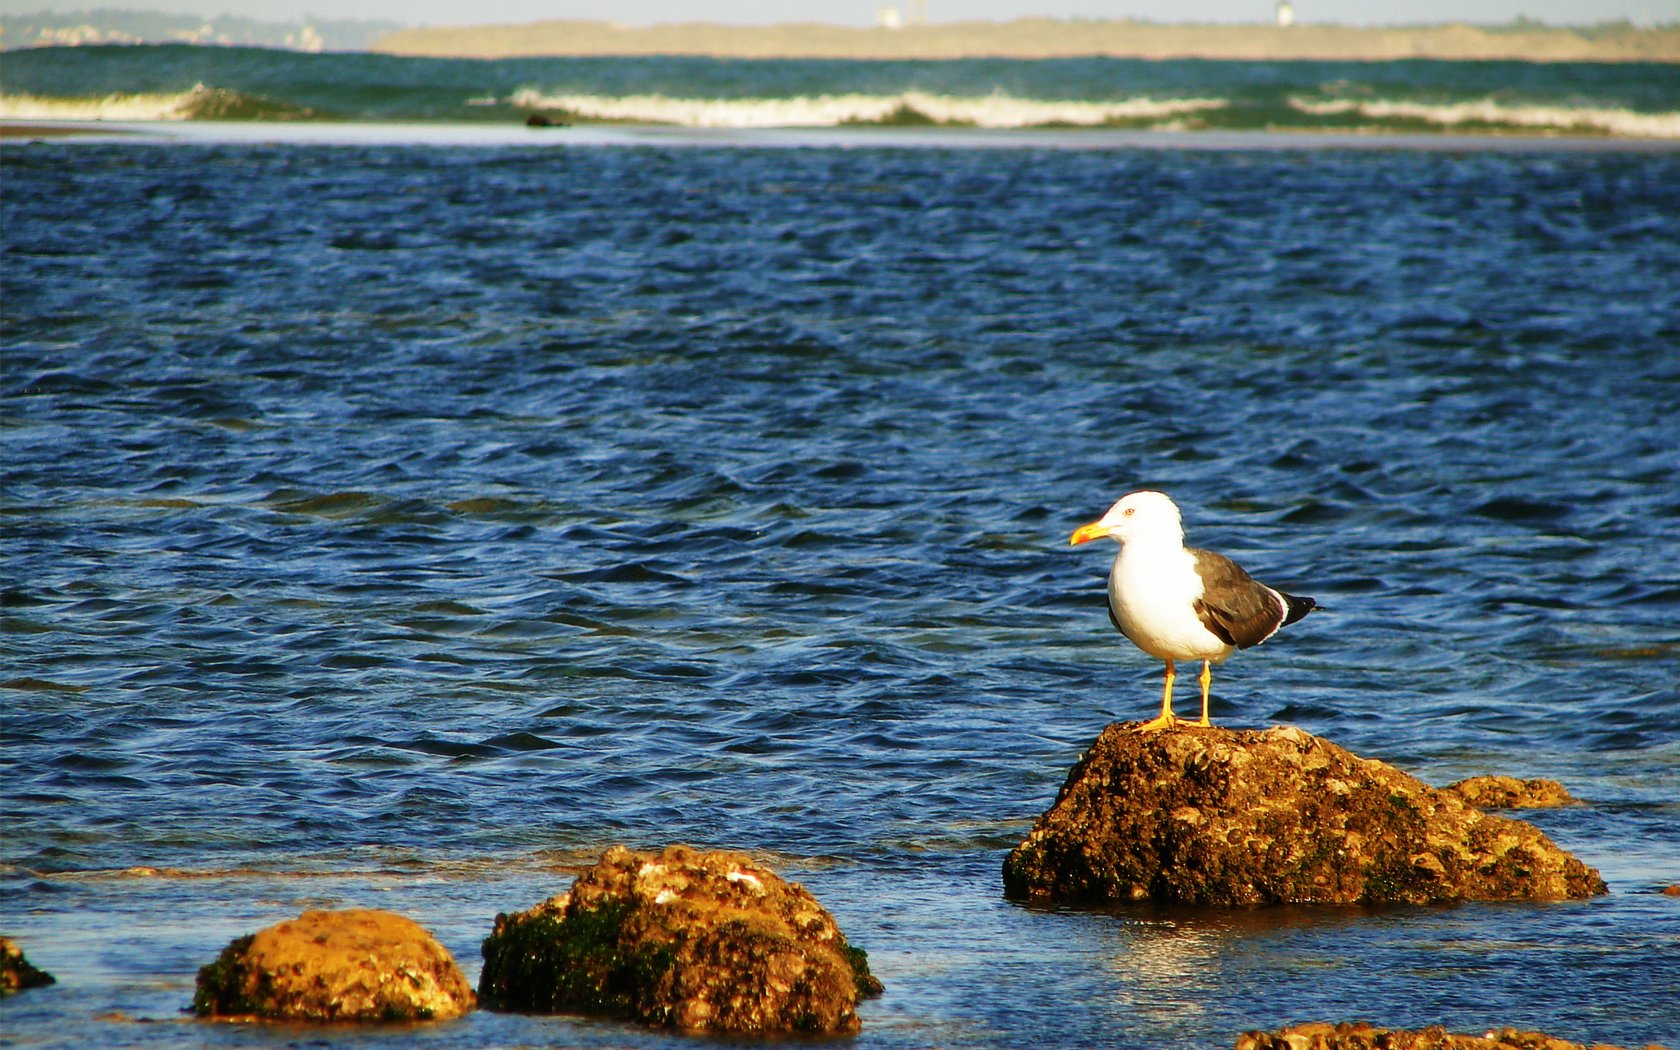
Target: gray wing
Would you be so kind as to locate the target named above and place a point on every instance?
(1235, 607)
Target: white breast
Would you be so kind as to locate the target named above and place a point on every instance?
(1153, 588)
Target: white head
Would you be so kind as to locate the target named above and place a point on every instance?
(1141, 515)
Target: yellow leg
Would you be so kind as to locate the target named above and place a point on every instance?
(1165, 718)
(1207, 680)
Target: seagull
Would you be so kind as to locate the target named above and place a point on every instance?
(1179, 603)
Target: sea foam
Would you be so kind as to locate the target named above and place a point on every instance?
(1488, 111)
(990, 111)
(182, 105)
(201, 102)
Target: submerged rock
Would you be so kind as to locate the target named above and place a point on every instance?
(353, 965)
(1499, 792)
(1227, 817)
(685, 939)
(15, 972)
(1365, 1037)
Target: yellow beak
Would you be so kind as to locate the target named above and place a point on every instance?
(1086, 533)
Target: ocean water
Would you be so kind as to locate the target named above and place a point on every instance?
(184, 83)
(401, 526)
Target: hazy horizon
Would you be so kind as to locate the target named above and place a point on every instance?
(864, 12)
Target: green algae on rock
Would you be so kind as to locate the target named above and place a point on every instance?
(351, 965)
(701, 941)
(1363, 1036)
(1225, 817)
(16, 973)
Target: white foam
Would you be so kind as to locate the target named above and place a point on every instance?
(1487, 111)
(178, 106)
(822, 111)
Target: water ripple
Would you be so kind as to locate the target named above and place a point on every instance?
(379, 499)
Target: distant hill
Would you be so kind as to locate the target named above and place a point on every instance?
(1524, 39)
(113, 26)
(1050, 38)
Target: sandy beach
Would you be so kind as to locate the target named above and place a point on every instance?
(1044, 38)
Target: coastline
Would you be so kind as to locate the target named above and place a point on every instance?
(34, 130)
(503, 135)
(1043, 38)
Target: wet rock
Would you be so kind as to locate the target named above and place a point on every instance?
(1498, 792)
(1672, 890)
(702, 941)
(353, 965)
(15, 972)
(1365, 1037)
(1226, 817)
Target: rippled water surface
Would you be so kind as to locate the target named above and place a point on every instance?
(400, 527)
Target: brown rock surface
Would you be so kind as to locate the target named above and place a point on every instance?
(1499, 792)
(1366, 1037)
(1217, 816)
(15, 972)
(702, 941)
(353, 965)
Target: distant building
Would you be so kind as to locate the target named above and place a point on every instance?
(1285, 14)
(112, 25)
(306, 39)
(888, 18)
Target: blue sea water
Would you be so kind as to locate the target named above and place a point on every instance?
(401, 526)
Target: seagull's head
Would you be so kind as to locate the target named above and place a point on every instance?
(1138, 515)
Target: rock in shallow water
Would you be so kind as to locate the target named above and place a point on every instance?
(353, 965)
(15, 972)
(1367, 1037)
(1499, 792)
(703, 941)
(1238, 817)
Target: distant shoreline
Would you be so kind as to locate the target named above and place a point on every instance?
(1045, 38)
(15, 133)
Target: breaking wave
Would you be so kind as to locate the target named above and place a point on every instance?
(1490, 113)
(198, 103)
(911, 107)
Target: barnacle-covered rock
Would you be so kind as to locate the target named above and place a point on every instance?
(701, 941)
(15, 972)
(1226, 817)
(1366, 1037)
(353, 965)
(1502, 792)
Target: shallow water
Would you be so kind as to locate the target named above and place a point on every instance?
(402, 526)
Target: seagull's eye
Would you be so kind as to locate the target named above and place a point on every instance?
(1128, 512)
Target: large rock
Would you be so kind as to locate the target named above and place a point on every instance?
(354, 965)
(1365, 1037)
(15, 972)
(1226, 817)
(684, 939)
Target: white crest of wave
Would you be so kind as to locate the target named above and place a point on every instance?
(177, 106)
(990, 111)
(1487, 111)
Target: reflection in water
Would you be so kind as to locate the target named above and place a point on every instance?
(1167, 960)
(1156, 965)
